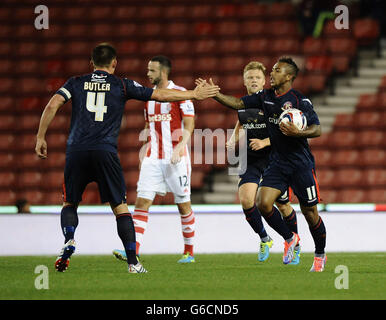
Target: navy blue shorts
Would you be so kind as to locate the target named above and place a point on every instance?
(254, 173)
(103, 167)
(301, 180)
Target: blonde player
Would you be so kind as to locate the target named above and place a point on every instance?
(166, 165)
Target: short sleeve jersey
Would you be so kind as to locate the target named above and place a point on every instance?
(293, 151)
(253, 122)
(98, 101)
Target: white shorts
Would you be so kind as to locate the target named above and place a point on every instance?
(159, 176)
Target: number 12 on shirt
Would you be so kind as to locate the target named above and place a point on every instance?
(97, 104)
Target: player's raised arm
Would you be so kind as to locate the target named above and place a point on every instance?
(200, 92)
(48, 115)
(229, 101)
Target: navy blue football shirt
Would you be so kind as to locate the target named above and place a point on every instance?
(98, 101)
(253, 122)
(293, 150)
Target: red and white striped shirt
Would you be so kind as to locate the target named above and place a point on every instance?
(166, 125)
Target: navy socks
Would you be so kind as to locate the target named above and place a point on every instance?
(126, 232)
(69, 221)
(318, 233)
(253, 216)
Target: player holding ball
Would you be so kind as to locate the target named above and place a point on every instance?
(291, 161)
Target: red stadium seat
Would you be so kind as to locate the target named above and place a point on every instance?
(129, 159)
(329, 30)
(376, 195)
(30, 179)
(321, 142)
(131, 176)
(256, 46)
(53, 197)
(175, 11)
(134, 121)
(131, 196)
(176, 29)
(366, 31)
(345, 158)
(149, 12)
(197, 11)
(128, 47)
(348, 177)
(54, 66)
(183, 64)
(98, 12)
(126, 29)
(6, 66)
(151, 29)
(76, 30)
(322, 157)
(343, 139)
(28, 49)
(52, 48)
(53, 179)
(6, 48)
(233, 83)
(231, 46)
(232, 63)
(344, 121)
(53, 84)
(203, 29)
(367, 102)
(130, 65)
(8, 180)
(372, 157)
(370, 138)
(312, 46)
(252, 10)
(34, 196)
(7, 160)
(54, 31)
(178, 47)
(7, 142)
(282, 28)
(7, 197)
(325, 177)
(226, 10)
(329, 195)
(78, 66)
(129, 140)
(370, 120)
(6, 85)
(204, 46)
(213, 120)
(28, 122)
(382, 86)
(227, 28)
(340, 64)
(320, 64)
(55, 160)
(374, 178)
(8, 103)
(281, 46)
(76, 12)
(280, 10)
(352, 196)
(207, 64)
(186, 81)
(8, 122)
(27, 66)
(253, 28)
(339, 45)
(152, 47)
(316, 82)
(56, 141)
(29, 160)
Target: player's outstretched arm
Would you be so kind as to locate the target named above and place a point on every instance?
(47, 116)
(200, 92)
(229, 101)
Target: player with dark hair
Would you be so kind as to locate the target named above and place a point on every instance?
(291, 161)
(251, 126)
(166, 165)
(98, 101)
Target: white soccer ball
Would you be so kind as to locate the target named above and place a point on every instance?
(295, 116)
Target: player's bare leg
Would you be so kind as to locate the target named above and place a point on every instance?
(318, 232)
(188, 230)
(126, 232)
(266, 197)
(247, 196)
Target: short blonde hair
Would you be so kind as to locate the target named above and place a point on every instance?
(253, 65)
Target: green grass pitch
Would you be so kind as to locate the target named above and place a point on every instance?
(211, 277)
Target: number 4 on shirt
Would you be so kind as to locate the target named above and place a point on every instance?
(96, 105)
